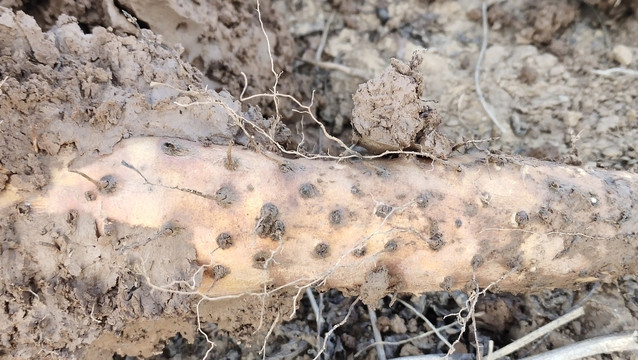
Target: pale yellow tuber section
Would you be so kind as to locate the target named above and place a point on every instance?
(431, 226)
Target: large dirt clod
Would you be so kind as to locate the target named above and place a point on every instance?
(390, 114)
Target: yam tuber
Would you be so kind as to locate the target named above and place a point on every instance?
(363, 226)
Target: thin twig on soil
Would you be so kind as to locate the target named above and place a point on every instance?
(378, 340)
(570, 316)
(615, 70)
(591, 347)
(477, 72)
(339, 67)
(317, 311)
(580, 303)
(324, 37)
(417, 337)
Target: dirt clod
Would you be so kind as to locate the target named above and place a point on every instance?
(395, 324)
(528, 74)
(389, 114)
(375, 286)
(549, 17)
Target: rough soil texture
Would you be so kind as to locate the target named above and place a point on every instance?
(546, 95)
(389, 114)
(222, 39)
(81, 87)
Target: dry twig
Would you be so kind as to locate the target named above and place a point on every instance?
(615, 70)
(360, 73)
(317, 310)
(377, 335)
(570, 316)
(591, 347)
(420, 336)
(324, 37)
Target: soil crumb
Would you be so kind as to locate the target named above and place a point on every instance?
(551, 17)
(375, 287)
(389, 114)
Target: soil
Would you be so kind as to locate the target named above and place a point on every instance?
(78, 76)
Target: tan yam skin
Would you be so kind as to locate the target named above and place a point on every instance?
(428, 226)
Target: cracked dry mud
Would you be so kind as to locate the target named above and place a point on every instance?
(78, 88)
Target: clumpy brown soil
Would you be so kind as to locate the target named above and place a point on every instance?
(389, 114)
(222, 39)
(80, 86)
